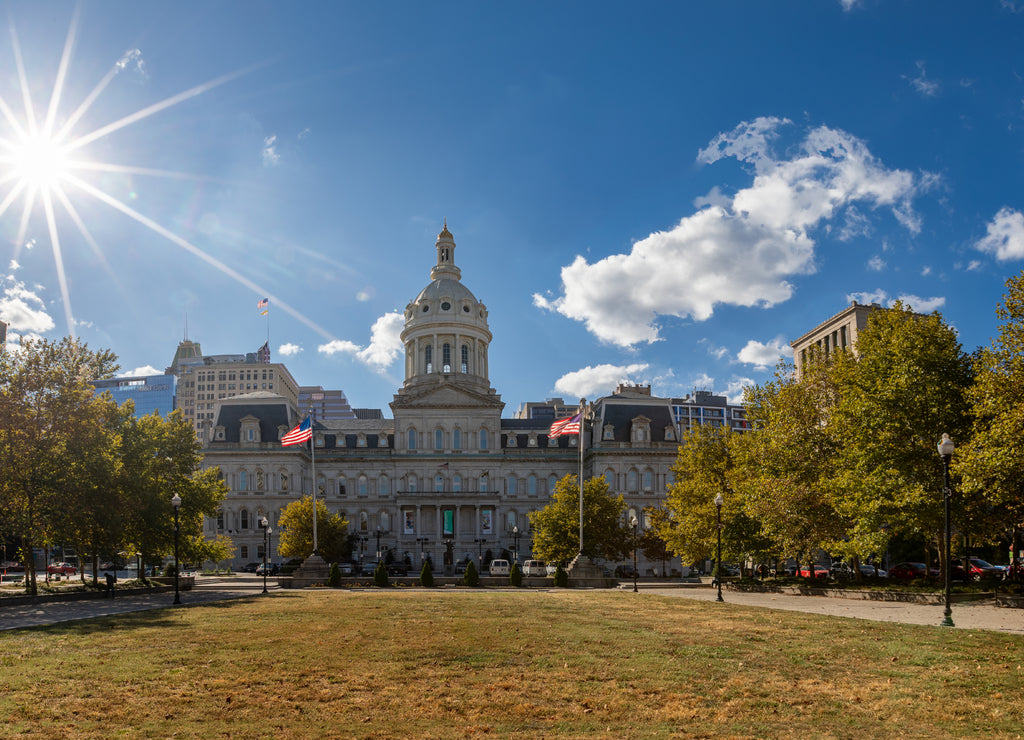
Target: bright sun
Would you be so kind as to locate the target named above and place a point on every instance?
(39, 162)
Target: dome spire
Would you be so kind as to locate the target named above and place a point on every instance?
(445, 266)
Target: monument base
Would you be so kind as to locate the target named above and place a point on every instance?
(585, 573)
(313, 571)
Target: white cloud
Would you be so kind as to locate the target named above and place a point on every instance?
(289, 350)
(304, 133)
(762, 355)
(132, 61)
(384, 347)
(366, 294)
(973, 265)
(915, 303)
(734, 391)
(594, 382)
(143, 372)
(926, 271)
(1005, 237)
(23, 310)
(743, 253)
(270, 155)
(876, 263)
(921, 83)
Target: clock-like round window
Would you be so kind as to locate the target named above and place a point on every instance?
(446, 306)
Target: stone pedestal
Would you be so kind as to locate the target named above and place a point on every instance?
(585, 573)
(313, 570)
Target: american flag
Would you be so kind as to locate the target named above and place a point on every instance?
(565, 426)
(263, 303)
(299, 434)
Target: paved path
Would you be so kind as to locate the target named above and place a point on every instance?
(976, 615)
(972, 615)
(206, 589)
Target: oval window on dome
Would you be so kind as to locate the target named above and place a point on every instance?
(466, 309)
(446, 306)
(425, 308)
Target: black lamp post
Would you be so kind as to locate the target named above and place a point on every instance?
(946, 448)
(266, 546)
(515, 537)
(176, 504)
(378, 544)
(633, 523)
(422, 541)
(480, 553)
(718, 518)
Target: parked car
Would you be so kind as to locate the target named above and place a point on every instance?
(64, 569)
(397, 569)
(251, 567)
(271, 569)
(499, 567)
(978, 569)
(625, 571)
(820, 571)
(347, 569)
(868, 571)
(368, 569)
(908, 570)
(534, 568)
(460, 567)
(551, 568)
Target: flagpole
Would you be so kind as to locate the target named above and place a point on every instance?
(583, 406)
(312, 452)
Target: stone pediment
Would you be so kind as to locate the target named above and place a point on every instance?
(446, 396)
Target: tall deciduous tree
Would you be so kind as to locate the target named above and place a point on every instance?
(906, 386)
(45, 410)
(556, 526)
(991, 463)
(296, 523)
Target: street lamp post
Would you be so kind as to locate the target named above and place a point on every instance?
(378, 544)
(718, 518)
(479, 553)
(515, 547)
(946, 448)
(422, 541)
(633, 523)
(176, 504)
(266, 546)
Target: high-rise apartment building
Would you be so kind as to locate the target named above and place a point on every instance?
(325, 405)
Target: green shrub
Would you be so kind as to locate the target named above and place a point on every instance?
(334, 579)
(169, 570)
(427, 575)
(561, 577)
(515, 575)
(471, 577)
(380, 576)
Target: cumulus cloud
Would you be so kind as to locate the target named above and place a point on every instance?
(23, 310)
(876, 263)
(269, 153)
(384, 347)
(594, 382)
(143, 372)
(734, 391)
(289, 350)
(913, 302)
(764, 354)
(743, 252)
(1005, 237)
(366, 294)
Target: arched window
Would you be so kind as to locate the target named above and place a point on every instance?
(609, 476)
(456, 439)
(385, 521)
(411, 439)
(428, 358)
(465, 359)
(552, 482)
(438, 439)
(220, 519)
(483, 439)
(341, 485)
(483, 482)
(438, 483)
(511, 485)
(446, 357)
(457, 483)
(631, 481)
(364, 521)
(412, 483)
(382, 486)
(362, 485)
(648, 480)
(630, 516)
(243, 481)
(244, 519)
(321, 486)
(531, 486)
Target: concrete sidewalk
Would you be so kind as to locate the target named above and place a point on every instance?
(981, 615)
(207, 589)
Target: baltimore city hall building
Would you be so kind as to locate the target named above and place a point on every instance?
(447, 472)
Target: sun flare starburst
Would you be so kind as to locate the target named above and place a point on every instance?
(43, 166)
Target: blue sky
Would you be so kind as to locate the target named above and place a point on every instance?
(664, 193)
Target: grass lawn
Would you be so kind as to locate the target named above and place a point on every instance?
(504, 664)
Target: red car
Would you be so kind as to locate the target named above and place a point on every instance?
(819, 572)
(908, 570)
(65, 569)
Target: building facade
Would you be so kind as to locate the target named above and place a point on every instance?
(446, 476)
(837, 333)
(151, 394)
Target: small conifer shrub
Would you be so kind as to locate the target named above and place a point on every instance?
(471, 577)
(561, 577)
(515, 576)
(380, 576)
(427, 575)
(334, 579)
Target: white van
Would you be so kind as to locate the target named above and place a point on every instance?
(499, 568)
(535, 568)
